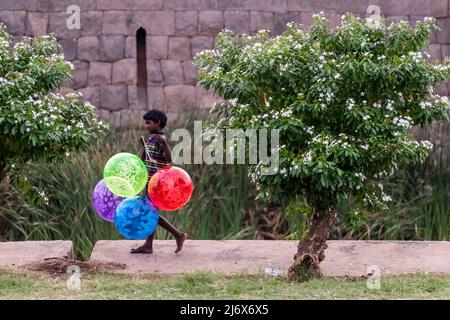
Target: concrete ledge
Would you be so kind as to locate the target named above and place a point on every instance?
(18, 253)
(343, 258)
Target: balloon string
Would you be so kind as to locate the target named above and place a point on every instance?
(146, 150)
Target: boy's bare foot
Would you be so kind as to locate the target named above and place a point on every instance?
(143, 249)
(180, 240)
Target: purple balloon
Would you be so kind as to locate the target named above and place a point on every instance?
(105, 202)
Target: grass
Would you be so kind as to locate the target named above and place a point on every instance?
(215, 286)
(420, 209)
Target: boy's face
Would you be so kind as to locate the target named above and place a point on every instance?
(151, 125)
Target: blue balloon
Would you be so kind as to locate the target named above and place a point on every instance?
(136, 217)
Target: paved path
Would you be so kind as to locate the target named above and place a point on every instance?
(343, 258)
(17, 253)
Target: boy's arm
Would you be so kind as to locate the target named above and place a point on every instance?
(167, 152)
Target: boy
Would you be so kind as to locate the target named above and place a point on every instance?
(157, 155)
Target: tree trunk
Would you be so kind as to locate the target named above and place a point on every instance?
(311, 250)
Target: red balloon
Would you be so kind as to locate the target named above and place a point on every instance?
(170, 188)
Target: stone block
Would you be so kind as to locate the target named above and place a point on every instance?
(156, 98)
(262, 5)
(111, 48)
(130, 47)
(62, 5)
(190, 4)
(124, 71)
(157, 47)
(29, 5)
(113, 97)
(99, 73)
(179, 48)
(186, 23)
(210, 22)
(129, 4)
(157, 23)
(179, 97)
(80, 74)
(119, 23)
(69, 48)
(91, 23)
(172, 71)
(200, 43)
(237, 21)
(190, 72)
(154, 73)
(91, 94)
(443, 36)
(14, 22)
(281, 19)
(261, 20)
(88, 48)
(36, 23)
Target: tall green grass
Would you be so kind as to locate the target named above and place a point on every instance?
(420, 209)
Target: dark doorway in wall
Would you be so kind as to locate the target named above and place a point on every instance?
(141, 67)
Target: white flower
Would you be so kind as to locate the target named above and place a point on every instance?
(67, 154)
(366, 117)
(350, 103)
(233, 101)
(402, 122)
(427, 144)
(365, 146)
(387, 198)
(389, 105)
(425, 104)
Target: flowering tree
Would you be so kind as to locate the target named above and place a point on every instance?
(36, 123)
(343, 100)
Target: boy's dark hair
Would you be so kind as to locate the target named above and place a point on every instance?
(157, 116)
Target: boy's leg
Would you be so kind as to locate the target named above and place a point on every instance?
(180, 237)
(147, 247)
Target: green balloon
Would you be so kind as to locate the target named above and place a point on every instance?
(125, 174)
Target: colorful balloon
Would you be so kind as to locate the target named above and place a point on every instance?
(104, 201)
(136, 218)
(125, 174)
(170, 188)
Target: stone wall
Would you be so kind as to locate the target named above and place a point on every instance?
(104, 48)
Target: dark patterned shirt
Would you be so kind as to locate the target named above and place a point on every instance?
(154, 154)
